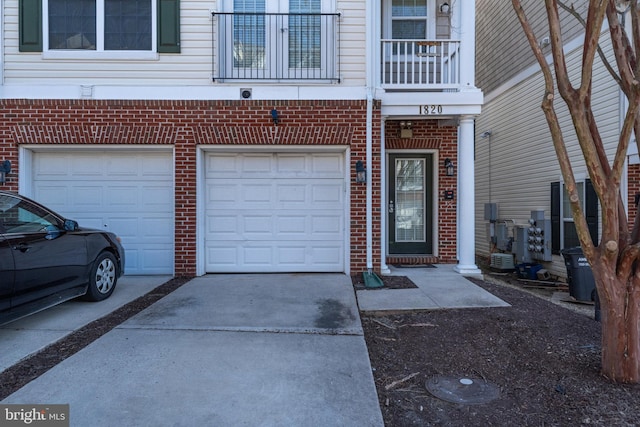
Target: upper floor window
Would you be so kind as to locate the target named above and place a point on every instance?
(409, 19)
(100, 24)
(277, 40)
(107, 27)
(300, 23)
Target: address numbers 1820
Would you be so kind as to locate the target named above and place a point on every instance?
(428, 110)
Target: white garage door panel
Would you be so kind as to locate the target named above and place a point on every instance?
(254, 257)
(275, 212)
(317, 226)
(129, 193)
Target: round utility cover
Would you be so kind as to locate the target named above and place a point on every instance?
(468, 391)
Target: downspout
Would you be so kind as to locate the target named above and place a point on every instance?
(369, 141)
(370, 49)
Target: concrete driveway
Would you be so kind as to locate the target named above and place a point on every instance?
(225, 350)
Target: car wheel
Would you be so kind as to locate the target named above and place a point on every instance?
(103, 278)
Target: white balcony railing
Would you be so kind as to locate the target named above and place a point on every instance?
(420, 64)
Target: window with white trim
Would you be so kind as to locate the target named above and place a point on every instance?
(99, 28)
(410, 19)
(101, 25)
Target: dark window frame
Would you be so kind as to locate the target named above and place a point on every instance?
(558, 238)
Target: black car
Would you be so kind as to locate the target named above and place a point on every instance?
(46, 259)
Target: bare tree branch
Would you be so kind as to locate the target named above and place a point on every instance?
(549, 111)
(573, 12)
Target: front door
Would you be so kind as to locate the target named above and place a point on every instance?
(410, 207)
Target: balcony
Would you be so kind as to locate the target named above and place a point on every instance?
(276, 47)
(420, 64)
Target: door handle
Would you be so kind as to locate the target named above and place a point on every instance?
(22, 247)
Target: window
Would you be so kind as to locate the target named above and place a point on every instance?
(99, 26)
(73, 24)
(304, 34)
(409, 19)
(285, 39)
(17, 216)
(567, 226)
(301, 25)
(563, 229)
(249, 33)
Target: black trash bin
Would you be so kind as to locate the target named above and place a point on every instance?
(579, 274)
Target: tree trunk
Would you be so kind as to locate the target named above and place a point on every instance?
(620, 305)
(615, 259)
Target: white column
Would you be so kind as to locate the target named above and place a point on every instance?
(466, 199)
(467, 45)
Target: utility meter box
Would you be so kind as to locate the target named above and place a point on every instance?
(490, 212)
(539, 237)
(520, 244)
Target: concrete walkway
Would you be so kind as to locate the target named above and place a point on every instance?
(228, 350)
(437, 288)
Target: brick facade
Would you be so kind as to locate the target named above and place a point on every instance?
(430, 135)
(188, 124)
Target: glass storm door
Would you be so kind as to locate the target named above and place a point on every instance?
(410, 204)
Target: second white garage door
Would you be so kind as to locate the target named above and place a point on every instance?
(127, 192)
(275, 212)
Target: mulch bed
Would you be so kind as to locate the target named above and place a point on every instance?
(544, 358)
(389, 282)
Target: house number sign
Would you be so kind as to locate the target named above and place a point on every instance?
(427, 110)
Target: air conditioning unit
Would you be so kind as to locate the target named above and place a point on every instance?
(502, 261)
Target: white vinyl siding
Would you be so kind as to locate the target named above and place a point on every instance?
(191, 67)
(523, 162)
(352, 42)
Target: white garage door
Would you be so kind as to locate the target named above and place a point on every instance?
(129, 193)
(275, 212)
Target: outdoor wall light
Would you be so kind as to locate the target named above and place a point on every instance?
(5, 168)
(361, 172)
(406, 130)
(274, 116)
(445, 8)
(448, 165)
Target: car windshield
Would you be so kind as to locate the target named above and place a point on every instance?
(19, 216)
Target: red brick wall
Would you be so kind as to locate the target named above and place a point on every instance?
(429, 135)
(201, 122)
